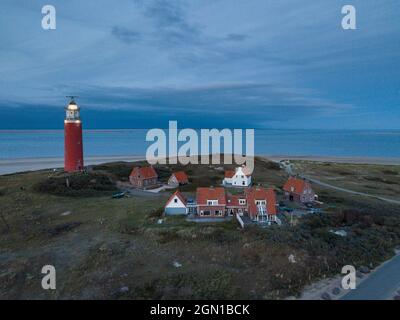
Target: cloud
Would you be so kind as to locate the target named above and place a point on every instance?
(236, 37)
(251, 63)
(125, 35)
(171, 23)
(219, 104)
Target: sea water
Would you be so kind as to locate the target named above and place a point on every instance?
(332, 143)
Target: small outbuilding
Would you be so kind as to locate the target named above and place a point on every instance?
(142, 177)
(176, 204)
(178, 178)
(299, 190)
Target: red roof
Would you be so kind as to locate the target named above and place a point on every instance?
(229, 173)
(246, 171)
(259, 193)
(181, 176)
(204, 194)
(233, 200)
(144, 173)
(297, 184)
(179, 195)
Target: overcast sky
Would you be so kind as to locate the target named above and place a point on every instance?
(205, 63)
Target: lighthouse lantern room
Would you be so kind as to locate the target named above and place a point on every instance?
(73, 148)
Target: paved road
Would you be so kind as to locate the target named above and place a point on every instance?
(385, 280)
(380, 285)
(289, 171)
(324, 184)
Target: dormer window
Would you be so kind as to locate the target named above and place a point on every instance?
(242, 201)
(212, 202)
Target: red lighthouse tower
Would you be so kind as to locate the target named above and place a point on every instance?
(73, 152)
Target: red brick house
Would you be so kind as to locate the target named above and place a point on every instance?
(178, 178)
(142, 177)
(261, 204)
(236, 204)
(211, 202)
(299, 190)
(258, 203)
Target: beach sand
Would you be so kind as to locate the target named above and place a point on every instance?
(8, 166)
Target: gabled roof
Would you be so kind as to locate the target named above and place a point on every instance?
(144, 172)
(179, 195)
(233, 200)
(246, 171)
(298, 185)
(181, 176)
(229, 173)
(259, 193)
(204, 194)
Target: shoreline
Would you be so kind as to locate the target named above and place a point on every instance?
(10, 166)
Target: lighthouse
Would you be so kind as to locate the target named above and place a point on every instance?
(73, 147)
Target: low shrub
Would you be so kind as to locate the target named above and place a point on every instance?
(77, 185)
(119, 170)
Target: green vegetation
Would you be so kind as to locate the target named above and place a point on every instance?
(380, 180)
(99, 244)
(76, 185)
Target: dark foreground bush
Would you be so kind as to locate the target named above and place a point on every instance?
(77, 185)
(209, 285)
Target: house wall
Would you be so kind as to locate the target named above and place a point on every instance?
(300, 197)
(175, 211)
(142, 182)
(212, 210)
(135, 181)
(241, 210)
(177, 204)
(307, 197)
(238, 181)
(175, 208)
(149, 182)
(172, 180)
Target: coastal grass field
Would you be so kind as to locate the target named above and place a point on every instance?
(380, 180)
(104, 248)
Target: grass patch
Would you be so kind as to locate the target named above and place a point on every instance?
(77, 185)
(120, 244)
(207, 285)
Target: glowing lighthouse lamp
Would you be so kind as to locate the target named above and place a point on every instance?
(73, 152)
